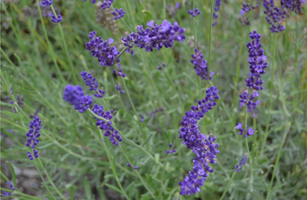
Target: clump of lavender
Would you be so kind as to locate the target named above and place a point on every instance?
(171, 11)
(106, 126)
(46, 3)
(200, 65)
(75, 96)
(194, 12)
(274, 16)
(216, 9)
(154, 36)
(245, 9)
(257, 67)
(160, 68)
(118, 13)
(90, 81)
(106, 54)
(119, 88)
(33, 136)
(203, 146)
(293, 5)
(241, 163)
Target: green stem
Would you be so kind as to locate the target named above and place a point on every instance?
(65, 47)
(50, 180)
(228, 184)
(129, 97)
(210, 33)
(277, 159)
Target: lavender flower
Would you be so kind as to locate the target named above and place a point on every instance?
(128, 165)
(11, 186)
(90, 81)
(293, 5)
(33, 136)
(241, 130)
(106, 126)
(274, 16)
(135, 167)
(142, 118)
(170, 151)
(154, 36)
(106, 4)
(46, 3)
(106, 54)
(171, 11)
(200, 65)
(194, 13)
(118, 13)
(245, 9)
(6, 194)
(119, 88)
(75, 96)
(242, 162)
(203, 146)
(216, 9)
(56, 20)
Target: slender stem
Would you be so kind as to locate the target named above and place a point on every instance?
(113, 167)
(50, 180)
(277, 159)
(210, 33)
(60, 74)
(228, 184)
(164, 9)
(65, 47)
(129, 97)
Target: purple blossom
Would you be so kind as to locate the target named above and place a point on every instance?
(75, 96)
(172, 10)
(293, 5)
(154, 36)
(160, 68)
(6, 194)
(241, 163)
(90, 81)
(194, 13)
(128, 165)
(104, 52)
(56, 20)
(119, 88)
(170, 151)
(46, 3)
(203, 146)
(245, 9)
(274, 16)
(118, 13)
(33, 136)
(216, 9)
(135, 167)
(106, 4)
(142, 118)
(106, 126)
(241, 130)
(200, 65)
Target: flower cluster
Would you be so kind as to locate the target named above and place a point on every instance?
(200, 65)
(245, 9)
(154, 36)
(107, 55)
(12, 188)
(293, 5)
(216, 9)
(90, 81)
(194, 13)
(105, 3)
(75, 96)
(119, 88)
(118, 13)
(274, 16)
(242, 162)
(170, 151)
(203, 146)
(33, 136)
(46, 3)
(257, 67)
(56, 19)
(106, 125)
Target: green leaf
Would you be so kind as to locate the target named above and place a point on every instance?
(87, 188)
(114, 188)
(13, 173)
(72, 192)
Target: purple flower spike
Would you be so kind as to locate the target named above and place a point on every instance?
(106, 4)
(75, 96)
(32, 135)
(154, 36)
(200, 65)
(118, 13)
(46, 3)
(194, 13)
(90, 81)
(241, 163)
(274, 16)
(59, 19)
(216, 9)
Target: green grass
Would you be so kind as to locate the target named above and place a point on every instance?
(39, 58)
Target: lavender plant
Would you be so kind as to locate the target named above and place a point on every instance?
(113, 131)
